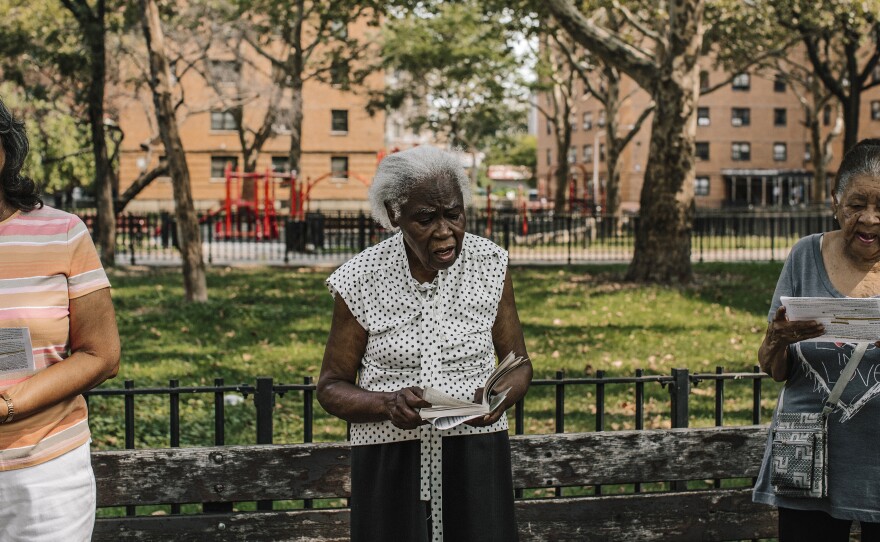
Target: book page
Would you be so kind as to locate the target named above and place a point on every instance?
(16, 352)
(845, 319)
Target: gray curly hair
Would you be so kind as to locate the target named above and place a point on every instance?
(861, 160)
(399, 172)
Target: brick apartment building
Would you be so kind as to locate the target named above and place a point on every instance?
(341, 141)
(751, 144)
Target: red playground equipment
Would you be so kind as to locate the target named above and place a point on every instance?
(251, 219)
(300, 190)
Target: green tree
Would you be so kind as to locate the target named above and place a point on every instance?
(309, 40)
(458, 66)
(842, 39)
(57, 51)
(194, 278)
(58, 158)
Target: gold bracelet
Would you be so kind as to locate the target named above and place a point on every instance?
(10, 409)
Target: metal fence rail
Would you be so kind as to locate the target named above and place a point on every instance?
(333, 238)
(265, 391)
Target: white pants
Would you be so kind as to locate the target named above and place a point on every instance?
(50, 502)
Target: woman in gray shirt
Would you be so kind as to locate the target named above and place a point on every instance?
(839, 263)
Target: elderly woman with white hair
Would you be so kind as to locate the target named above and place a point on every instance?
(819, 496)
(432, 306)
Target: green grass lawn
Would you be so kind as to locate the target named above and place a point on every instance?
(579, 319)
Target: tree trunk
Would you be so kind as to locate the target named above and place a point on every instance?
(296, 121)
(851, 107)
(817, 159)
(670, 75)
(663, 232)
(194, 280)
(562, 131)
(93, 34)
(615, 145)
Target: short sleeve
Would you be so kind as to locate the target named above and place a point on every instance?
(85, 272)
(346, 282)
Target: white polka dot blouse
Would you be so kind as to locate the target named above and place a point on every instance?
(433, 334)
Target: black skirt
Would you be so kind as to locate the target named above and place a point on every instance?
(477, 491)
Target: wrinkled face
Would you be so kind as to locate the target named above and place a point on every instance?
(858, 212)
(432, 222)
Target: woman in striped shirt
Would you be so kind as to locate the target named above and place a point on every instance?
(58, 339)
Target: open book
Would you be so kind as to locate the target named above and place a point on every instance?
(446, 412)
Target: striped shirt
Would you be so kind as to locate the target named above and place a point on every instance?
(47, 258)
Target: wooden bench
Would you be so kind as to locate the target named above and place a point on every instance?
(318, 471)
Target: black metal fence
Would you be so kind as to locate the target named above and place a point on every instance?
(264, 394)
(334, 237)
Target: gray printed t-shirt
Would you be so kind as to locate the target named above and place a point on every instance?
(853, 431)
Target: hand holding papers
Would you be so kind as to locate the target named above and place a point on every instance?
(446, 412)
(848, 319)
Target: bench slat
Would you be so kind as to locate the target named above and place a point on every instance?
(293, 525)
(637, 456)
(696, 515)
(222, 474)
(301, 471)
(699, 515)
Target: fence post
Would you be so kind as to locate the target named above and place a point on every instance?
(679, 390)
(264, 399)
(219, 440)
(132, 223)
(308, 417)
(362, 231)
(129, 429)
(772, 238)
(756, 397)
(560, 411)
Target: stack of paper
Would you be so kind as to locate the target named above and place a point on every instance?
(446, 412)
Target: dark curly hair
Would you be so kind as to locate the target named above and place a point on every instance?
(17, 190)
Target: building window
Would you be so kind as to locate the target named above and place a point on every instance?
(780, 117)
(704, 80)
(875, 109)
(779, 83)
(702, 150)
(741, 81)
(826, 115)
(549, 157)
(339, 167)
(780, 152)
(808, 152)
(339, 122)
(740, 116)
(218, 165)
(225, 71)
(588, 121)
(281, 164)
(548, 127)
(601, 152)
(703, 116)
(339, 73)
(601, 121)
(741, 152)
(701, 186)
(572, 121)
(282, 121)
(875, 75)
(222, 120)
(588, 154)
(572, 154)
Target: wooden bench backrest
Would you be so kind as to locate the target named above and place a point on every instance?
(310, 471)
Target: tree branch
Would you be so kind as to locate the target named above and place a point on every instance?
(604, 43)
(137, 187)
